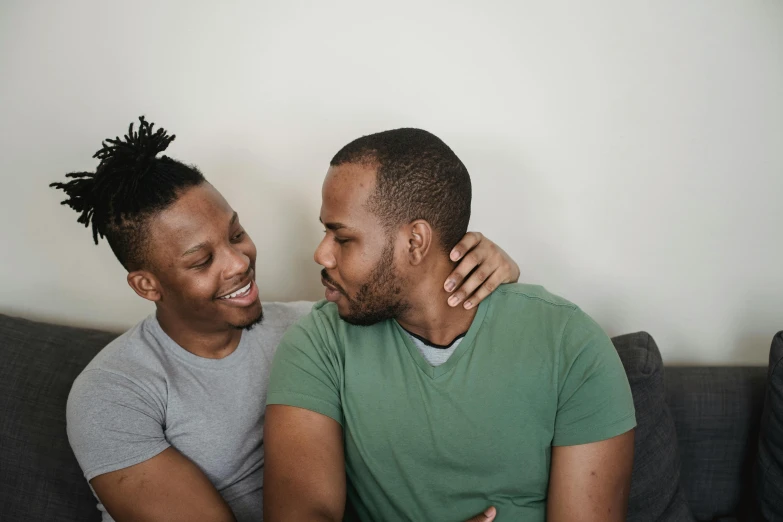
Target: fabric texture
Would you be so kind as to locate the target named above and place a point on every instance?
(444, 442)
(41, 480)
(717, 411)
(144, 393)
(656, 494)
(435, 356)
(39, 476)
(769, 471)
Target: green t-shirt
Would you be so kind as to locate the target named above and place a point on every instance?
(446, 442)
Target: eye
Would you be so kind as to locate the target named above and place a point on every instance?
(238, 236)
(203, 264)
(338, 240)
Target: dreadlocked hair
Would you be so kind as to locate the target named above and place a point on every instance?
(129, 186)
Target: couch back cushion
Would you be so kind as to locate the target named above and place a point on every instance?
(716, 412)
(656, 495)
(769, 472)
(40, 478)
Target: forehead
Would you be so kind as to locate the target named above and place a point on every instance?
(198, 214)
(345, 191)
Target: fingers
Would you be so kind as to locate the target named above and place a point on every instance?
(468, 292)
(466, 266)
(466, 244)
(480, 271)
(486, 516)
(487, 287)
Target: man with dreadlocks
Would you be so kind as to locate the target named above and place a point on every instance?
(167, 420)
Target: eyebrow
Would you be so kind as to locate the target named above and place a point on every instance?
(194, 249)
(198, 247)
(333, 226)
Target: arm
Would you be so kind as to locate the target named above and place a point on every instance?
(484, 264)
(115, 428)
(304, 468)
(166, 487)
(591, 482)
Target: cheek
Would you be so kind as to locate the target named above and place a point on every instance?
(198, 287)
(354, 269)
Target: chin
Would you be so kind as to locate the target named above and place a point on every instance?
(250, 320)
(366, 318)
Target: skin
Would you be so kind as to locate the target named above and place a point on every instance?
(386, 277)
(304, 474)
(198, 252)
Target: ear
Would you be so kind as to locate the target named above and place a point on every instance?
(419, 241)
(145, 284)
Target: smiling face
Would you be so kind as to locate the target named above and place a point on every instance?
(358, 254)
(203, 263)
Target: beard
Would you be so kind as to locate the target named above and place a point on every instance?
(250, 324)
(379, 298)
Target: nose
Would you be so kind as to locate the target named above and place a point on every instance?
(238, 263)
(324, 255)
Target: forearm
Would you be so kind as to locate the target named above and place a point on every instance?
(300, 513)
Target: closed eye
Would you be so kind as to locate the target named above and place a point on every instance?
(338, 240)
(203, 264)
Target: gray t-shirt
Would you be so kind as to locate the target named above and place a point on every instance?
(143, 393)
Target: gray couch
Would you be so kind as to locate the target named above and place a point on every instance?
(716, 412)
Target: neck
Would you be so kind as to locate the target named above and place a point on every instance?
(428, 315)
(210, 345)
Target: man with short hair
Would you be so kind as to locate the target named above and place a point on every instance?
(167, 420)
(418, 411)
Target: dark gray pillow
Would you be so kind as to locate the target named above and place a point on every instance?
(39, 476)
(656, 494)
(769, 471)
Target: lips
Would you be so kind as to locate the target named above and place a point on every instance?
(238, 293)
(243, 295)
(331, 293)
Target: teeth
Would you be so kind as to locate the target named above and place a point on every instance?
(238, 292)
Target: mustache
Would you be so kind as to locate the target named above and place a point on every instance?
(332, 282)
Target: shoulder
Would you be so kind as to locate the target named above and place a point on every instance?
(322, 331)
(133, 362)
(137, 346)
(530, 303)
(565, 324)
(534, 295)
(321, 324)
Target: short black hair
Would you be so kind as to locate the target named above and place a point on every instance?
(129, 186)
(418, 177)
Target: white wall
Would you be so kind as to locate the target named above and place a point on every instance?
(628, 154)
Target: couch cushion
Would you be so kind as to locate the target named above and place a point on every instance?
(40, 477)
(769, 471)
(716, 413)
(656, 494)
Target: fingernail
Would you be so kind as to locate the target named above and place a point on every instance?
(490, 512)
(453, 300)
(468, 305)
(450, 285)
(454, 255)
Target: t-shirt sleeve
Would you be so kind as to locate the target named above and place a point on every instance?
(307, 369)
(112, 423)
(594, 397)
